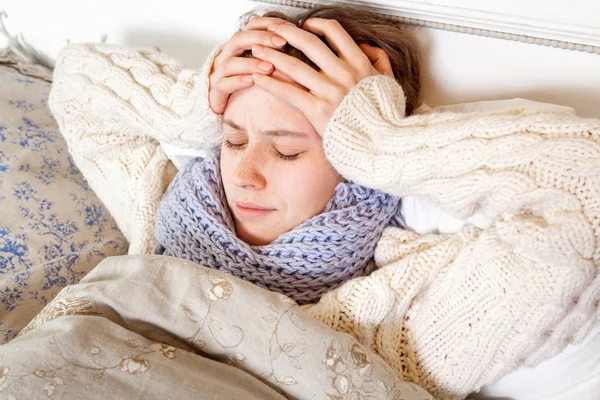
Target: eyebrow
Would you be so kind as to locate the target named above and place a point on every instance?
(276, 132)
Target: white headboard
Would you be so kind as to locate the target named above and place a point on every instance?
(544, 50)
(463, 47)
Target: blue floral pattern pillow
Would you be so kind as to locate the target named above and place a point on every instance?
(53, 228)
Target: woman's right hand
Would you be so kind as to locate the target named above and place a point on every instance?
(231, 71)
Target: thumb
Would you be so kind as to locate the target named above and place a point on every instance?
(379, 58)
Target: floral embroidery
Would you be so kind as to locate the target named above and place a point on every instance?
(61, 306)
(167, 351)
(221, 290)
(133, 366)
(51, 378)
(350, 371)
(3, 372)
(291, 351)
(49, 389)
(359, 357)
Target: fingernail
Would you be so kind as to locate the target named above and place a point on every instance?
(264, 65)
(247, 79)
(278, 41)
(256, 76)
(272, 28)
(256, 49)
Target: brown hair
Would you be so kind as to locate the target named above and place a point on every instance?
(364, 26)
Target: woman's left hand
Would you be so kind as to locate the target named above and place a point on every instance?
(324, 89)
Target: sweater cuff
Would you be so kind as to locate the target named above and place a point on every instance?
(373, 105)
(202, 127)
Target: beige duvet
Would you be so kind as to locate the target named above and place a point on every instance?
(160, 327)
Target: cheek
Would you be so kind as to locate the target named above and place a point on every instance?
(228, 165)
(306, 188)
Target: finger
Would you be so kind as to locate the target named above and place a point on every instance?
(311, 46)
(337, 37)
(293, 95)
(379, 58)
(227, 86)
(294, 68)
(242, 65)
(242, 41)
(219, 95)
(262, 23)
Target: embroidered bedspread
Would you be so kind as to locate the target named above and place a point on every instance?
(162, 327)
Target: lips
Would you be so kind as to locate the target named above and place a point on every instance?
(248, 210)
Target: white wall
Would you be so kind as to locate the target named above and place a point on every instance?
(458, 67)
(185, 29)
(464, 68)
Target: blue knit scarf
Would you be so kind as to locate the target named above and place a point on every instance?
(195, 223)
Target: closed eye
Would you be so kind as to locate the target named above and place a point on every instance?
(286, 157)
(233, 146)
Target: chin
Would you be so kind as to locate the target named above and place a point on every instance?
(252, 234)
(255, 240)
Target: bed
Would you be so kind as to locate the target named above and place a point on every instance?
(54, 230)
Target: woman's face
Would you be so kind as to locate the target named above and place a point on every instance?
(274, 170)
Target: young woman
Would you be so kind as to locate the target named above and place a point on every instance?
(266, 205)
(312, 156)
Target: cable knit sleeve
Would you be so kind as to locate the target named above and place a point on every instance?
(533, 171)
(114, 105)
(454, 312)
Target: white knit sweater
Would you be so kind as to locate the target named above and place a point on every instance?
(450, 312)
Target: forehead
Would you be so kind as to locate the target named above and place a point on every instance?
(262, 108)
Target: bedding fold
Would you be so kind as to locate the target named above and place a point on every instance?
(156, 326)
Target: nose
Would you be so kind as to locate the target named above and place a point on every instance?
(248, 173)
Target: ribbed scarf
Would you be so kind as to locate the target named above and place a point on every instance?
(195, 223)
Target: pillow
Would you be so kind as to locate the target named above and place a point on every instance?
(572, 374)
(53, 228)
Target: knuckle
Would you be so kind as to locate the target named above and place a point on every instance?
(313, 40)
(364, 68)
(214, 79)
(218, 61)
(292, 64)
(323, 107)
(334, 24)
(349, 80)
(218, 88)
(339, 92)
(226, 64)
(236, 36)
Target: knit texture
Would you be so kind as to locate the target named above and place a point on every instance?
(195, 223)
(449, 312)
(114, 105)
